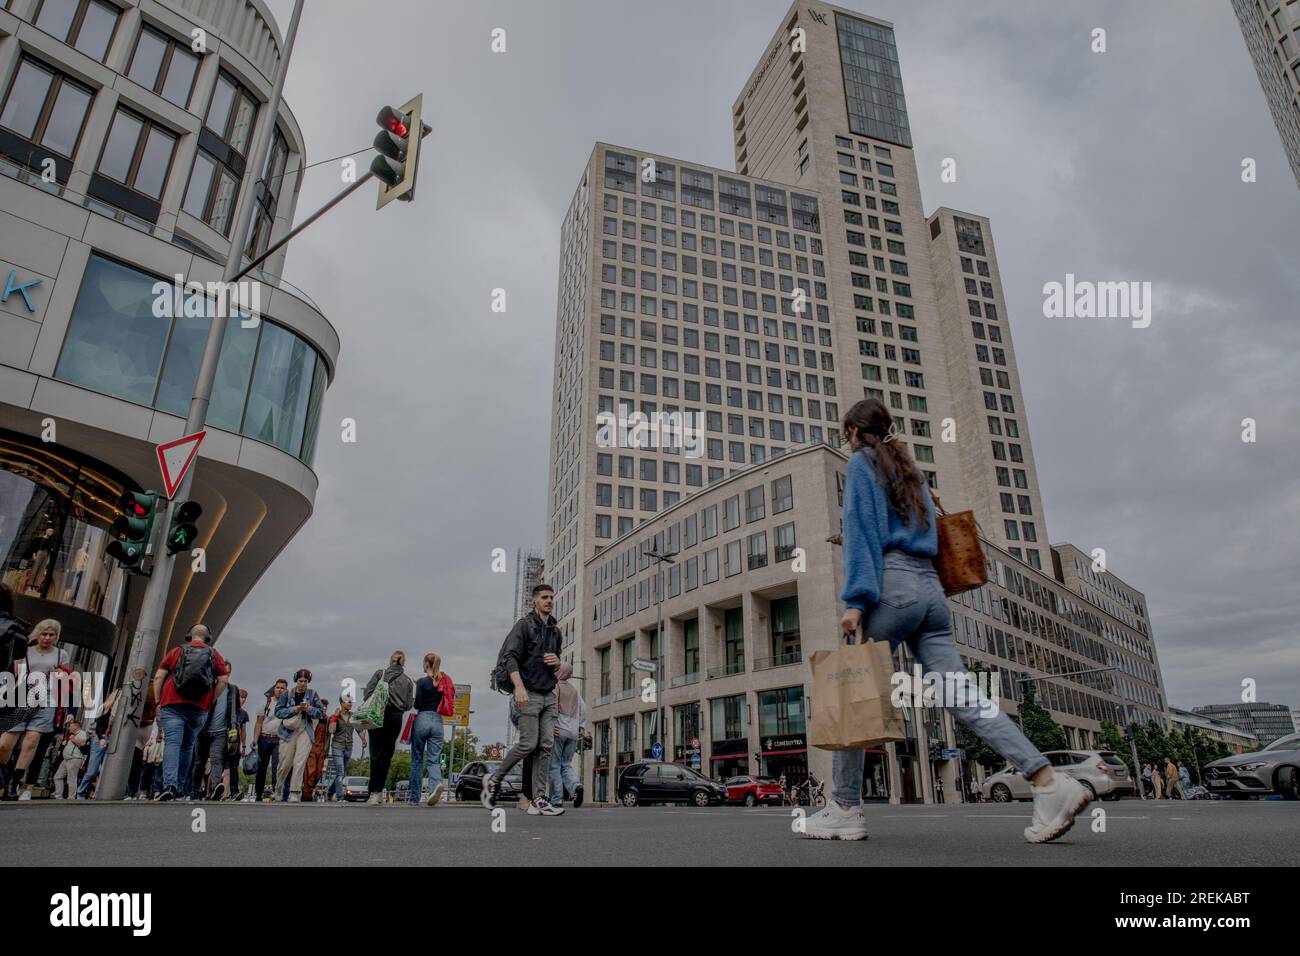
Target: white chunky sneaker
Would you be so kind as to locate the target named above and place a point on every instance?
(434, 798)
(833, 822)
(1054, 808)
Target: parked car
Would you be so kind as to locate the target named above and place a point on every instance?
(356, 788)
(469, 783)
(1101, 772)
(753, 790)
(1273, 770)
(651, 781)
(1006, 785)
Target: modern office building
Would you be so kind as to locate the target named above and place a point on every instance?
(1272, 32)
(1230, 735)
(530, 568)
(124, 129)
(712, 328)
(1266, 721)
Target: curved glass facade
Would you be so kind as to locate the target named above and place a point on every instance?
(270, 382)
(54, 519)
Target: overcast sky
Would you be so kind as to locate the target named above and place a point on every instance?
(1116, 166)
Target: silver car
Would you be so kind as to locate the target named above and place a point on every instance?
(1102, 774)
(1275, 769)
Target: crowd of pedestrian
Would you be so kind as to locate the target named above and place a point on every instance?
(193, 738)
(1170, 783)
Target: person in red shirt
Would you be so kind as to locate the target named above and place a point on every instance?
(187, 681)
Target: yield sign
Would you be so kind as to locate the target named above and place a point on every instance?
(175, 458)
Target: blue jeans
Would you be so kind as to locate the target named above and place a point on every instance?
(564, 779)
(340, 758)
(914, 611)
(181, 724)
(97, 754)
(426, 734)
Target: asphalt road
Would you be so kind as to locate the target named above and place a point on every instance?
(1167, 833)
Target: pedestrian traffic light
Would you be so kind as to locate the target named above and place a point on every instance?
(182, 532)
(399, 151)
(133, 529)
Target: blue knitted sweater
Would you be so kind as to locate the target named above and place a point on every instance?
(872, 527)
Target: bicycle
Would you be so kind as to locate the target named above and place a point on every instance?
(805, 794)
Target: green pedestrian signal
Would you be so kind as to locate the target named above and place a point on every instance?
(133, 529)
(182, 532)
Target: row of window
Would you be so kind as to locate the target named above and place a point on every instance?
(45, 112)
(668, 215)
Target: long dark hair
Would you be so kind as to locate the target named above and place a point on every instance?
(898, 473)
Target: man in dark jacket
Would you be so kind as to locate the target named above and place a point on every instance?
(531, 656)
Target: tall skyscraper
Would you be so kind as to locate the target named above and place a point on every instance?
(760, 304)
(1272, 32)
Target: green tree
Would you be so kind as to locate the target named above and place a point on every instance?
(1110, 737)
(1043, 732)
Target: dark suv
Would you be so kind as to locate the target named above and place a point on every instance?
(654, 782)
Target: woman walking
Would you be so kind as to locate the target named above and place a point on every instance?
(298, 709)
(1157, 781)
(434, 693)
(26, 724)
(383, 739)
(892, 593)
(341, 730)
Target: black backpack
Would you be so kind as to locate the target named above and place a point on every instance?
(194, 674)
(499, 680)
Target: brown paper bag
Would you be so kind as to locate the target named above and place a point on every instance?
(851, 687)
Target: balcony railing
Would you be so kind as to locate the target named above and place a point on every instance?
(681, 680)
(785, 660)
(601, 700)
(726, 670)
(625, 694)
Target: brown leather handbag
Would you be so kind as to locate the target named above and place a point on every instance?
(960, 561)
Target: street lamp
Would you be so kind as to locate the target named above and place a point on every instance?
(660, 560)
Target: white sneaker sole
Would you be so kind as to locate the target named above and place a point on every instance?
(1062, 827)
(847, 835)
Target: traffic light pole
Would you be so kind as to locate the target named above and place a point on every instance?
(138, 672)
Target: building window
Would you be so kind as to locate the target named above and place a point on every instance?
(754, 510)
(785, 542)
(219, 163)
(782, 494)
(758, 550)
(163, 65)
(45, 112)
(781, 712)
(138, 156)
(734, 639)
(267, 196)
(87, 25)
(784, 616)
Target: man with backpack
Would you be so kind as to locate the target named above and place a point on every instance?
(189, 678)
(526, 667)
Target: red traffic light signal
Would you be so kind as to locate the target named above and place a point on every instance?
(399, 152)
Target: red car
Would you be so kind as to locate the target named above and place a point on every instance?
(752, 790)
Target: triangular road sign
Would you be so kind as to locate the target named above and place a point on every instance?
(175, 458)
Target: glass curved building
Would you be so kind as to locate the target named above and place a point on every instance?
(125, 130)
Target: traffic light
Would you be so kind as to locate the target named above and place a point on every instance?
(182, 532)
(133, 529)
(399, 151)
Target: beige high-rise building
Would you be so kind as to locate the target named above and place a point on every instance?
(712, 329)
(1271, 29)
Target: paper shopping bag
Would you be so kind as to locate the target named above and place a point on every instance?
(851, 687)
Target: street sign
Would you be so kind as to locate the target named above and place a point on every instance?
(695, 760)
(657, 750)
(460, 707)
(640, 665)
(953, 753)
(175, 458)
